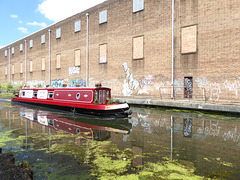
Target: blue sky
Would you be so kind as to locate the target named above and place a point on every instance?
(20, 18)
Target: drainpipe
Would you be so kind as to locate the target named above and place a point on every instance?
(25, 62)
(49, 34)
(9, 80)
(87, 58)
(173, 93)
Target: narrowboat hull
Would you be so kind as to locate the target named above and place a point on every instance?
(77, 100)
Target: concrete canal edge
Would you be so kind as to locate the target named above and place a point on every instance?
(201, 106)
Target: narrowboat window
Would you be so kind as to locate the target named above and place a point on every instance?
(50, 94)
(23, 93)
(107, 95)
(35, 94)
(78, 95)
(104, 96)
(78, 130)
(50, 122)
(100, 97)
(96, 95)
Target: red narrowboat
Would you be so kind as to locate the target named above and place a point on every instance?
(88, 101)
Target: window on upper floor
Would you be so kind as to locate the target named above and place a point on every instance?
(58, 61)
(31, 66)
(43, 64)
(138, 5)
(189, 39)
(13, 68)
(58, 33)
(12, 50)
(77, 57)
(31, 43)
(138, 47)
(21, 47)
(78, 26)
(43, 39)
(6, 53)
(103, 17)
(21, 68)
(6, 71)
(103, 53)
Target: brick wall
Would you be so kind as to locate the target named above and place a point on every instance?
(213, 66)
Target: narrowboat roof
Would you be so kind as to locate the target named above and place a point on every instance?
(65, 88)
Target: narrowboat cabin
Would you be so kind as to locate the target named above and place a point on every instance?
(89, 101)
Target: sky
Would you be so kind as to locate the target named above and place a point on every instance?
(20, 18)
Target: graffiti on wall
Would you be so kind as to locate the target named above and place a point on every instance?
(232, 86)
(73, 70)
(57, 83)
(131, 84)
(213, 88)
(33, 84)
(77, 83)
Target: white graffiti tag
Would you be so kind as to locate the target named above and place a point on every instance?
(232, 86)
(213, 88)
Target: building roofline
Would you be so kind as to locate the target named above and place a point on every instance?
(49, 26)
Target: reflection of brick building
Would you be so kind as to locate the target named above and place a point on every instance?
(130, 49)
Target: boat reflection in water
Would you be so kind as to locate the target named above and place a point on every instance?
(89, 128)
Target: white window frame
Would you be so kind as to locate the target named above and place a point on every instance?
(12, 50)
(138, 5)
(21, 47)
(58, 33)
(6, 53)
(31, 43)
(43, 39)
(77, 26)
(103, 17)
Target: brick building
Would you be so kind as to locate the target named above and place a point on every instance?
(128, 47)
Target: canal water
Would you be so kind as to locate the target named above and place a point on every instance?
(151, 144)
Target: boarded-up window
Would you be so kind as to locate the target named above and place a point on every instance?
(103, 17)
(58, 63)
(43, 39)
(31, 43)
(138, 47)
(13, 68)
(189, 40)
(6, 71)
(77, 58)
(138, 5)
(5, 53)
(103, 53)
(31, 66)
(21, 68)
(58, 33)
(43, 64)
(21, 47)
(77, 26)
(12, 50)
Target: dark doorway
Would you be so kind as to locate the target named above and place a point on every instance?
(188, 87)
